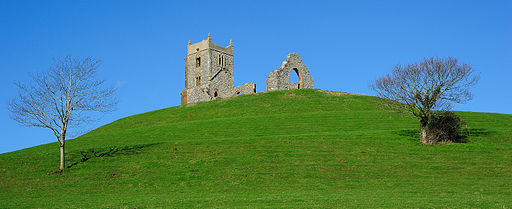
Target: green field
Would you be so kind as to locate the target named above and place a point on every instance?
(300, 148)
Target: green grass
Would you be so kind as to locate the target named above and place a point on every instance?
(300, 148)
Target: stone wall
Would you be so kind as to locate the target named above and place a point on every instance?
(280, 79)
(246, 88)
(209, 73)
(221, 77)
(295, 85)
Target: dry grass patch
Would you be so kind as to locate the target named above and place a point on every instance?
(291, 94)
(333, 93)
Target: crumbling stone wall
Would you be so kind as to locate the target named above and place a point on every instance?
(247, 88)
(280, 79)
(197, 94)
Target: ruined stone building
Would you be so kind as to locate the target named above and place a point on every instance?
(209, 73)
(280, 79)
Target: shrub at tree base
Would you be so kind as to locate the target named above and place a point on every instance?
(446, 127)
(424, 87)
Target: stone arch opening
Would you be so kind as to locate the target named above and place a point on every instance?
(216, 93)
(295, 79)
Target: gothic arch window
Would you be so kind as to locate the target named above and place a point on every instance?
(198, 79)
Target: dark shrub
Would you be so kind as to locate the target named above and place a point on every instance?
(446, 127)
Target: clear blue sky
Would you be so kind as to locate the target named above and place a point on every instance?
(345, 45)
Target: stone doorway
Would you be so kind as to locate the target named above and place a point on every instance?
(295, 79)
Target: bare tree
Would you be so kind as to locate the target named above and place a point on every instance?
(421, 88)
(62, 97)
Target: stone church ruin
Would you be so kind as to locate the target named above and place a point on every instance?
(209, 73)
(280, 79)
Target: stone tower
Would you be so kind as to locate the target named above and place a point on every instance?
(209, 70)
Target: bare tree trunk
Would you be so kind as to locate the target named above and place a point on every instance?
(423, 87)
(423, 134)
(62, 96)
(62, 159)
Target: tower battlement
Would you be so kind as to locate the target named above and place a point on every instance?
(207, 44)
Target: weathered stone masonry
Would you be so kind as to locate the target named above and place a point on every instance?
(280, 79)
(209, 73)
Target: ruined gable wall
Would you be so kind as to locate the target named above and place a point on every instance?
(280, 79)
(273, 80)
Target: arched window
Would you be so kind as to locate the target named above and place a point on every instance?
(295, 78)
(216, 93)
(198, 80)
(221, 61)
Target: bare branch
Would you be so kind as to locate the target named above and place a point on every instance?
(62, 96)
(421, 88)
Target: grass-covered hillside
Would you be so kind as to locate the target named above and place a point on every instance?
(300, 148)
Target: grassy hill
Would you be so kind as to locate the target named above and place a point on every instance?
(300, 148)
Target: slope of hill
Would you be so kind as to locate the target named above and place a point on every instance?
(300, 148)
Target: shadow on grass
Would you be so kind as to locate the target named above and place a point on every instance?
(408, 133)
(110, 152)
(414, 134)
(476, 132)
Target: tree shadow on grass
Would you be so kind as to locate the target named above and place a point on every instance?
(110, 152)
(476, 132)
(411, 134)
(414, 134)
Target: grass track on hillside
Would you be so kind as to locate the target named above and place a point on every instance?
(300, 148)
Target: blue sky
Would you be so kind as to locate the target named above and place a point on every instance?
(345, 45)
